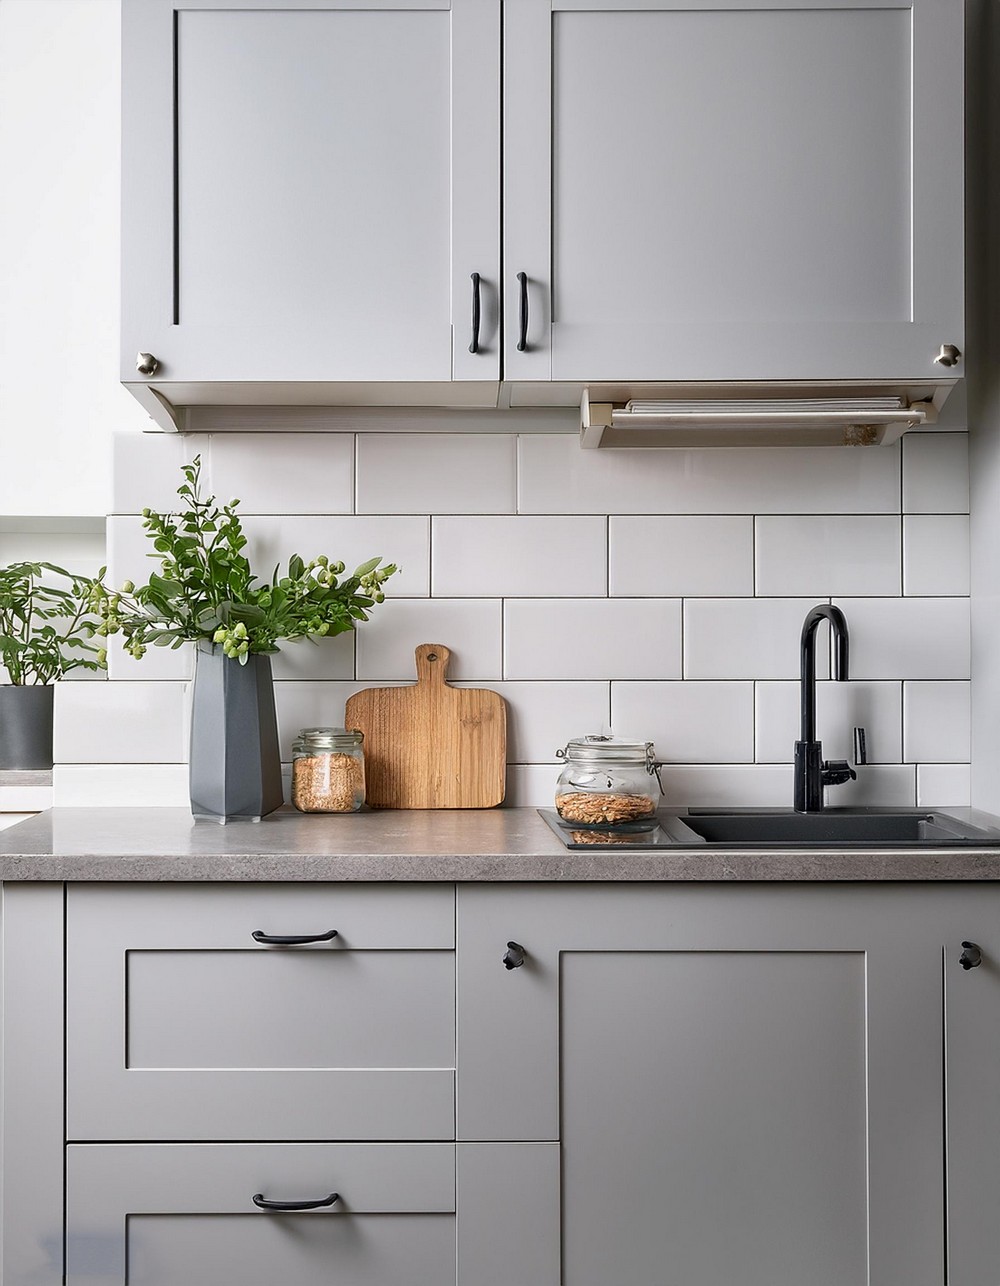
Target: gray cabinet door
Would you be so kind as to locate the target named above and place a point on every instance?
(747, 1083)
(308, 186)
(180, 1025)
(699, 190)
(406, 1215)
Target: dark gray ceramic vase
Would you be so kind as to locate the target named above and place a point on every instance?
(235, 762)
(25, 726)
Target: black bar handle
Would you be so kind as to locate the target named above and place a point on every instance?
(522, 342)
(474, 346)
(971, 957)
(277, 940)
(260, 1200)
(514, 956)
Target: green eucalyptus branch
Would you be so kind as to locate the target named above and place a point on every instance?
(46, 628)
(206, 589)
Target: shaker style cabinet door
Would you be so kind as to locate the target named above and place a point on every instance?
(190, 1015)
(746, 1081)
(706, 190)
(308, 187)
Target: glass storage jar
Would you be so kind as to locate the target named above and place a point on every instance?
(607, 782)
(328, 771)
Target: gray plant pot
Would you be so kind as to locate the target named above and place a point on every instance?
(235, 762)
(25, 726)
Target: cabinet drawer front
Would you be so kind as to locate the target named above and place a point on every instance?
(181, 1025)
(171, 1215)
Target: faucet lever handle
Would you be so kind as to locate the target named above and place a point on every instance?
(837, 771)
(860, 747)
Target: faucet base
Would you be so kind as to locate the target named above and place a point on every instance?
(808, 795)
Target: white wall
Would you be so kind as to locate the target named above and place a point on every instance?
(60, 398)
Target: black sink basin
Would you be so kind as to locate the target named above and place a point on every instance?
(835, 826)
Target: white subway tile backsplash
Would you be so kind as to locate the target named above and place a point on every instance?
(556, 476)
(113, 785)
(469, 627)
(727, 785)
(284, 473)
(124, 723)
(937, 722)
(447, 473)
(687, 722)
(329, 658)
(843, 554)
(944, 785)
(877, 784)
(316, 703)
(659, 594)
(935, 473)
(747, 638)
(840, 708)
(542, 717)
(908, 638)
(681, 556)
(936, 554)
(519, 557)
(624, 638)
(350, 540)
(146, 469)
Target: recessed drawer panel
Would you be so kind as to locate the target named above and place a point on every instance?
(176, 1214)
(232, 1013)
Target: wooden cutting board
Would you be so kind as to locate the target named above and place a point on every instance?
(432, 745)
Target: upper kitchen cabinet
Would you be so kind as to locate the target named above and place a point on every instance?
(311, 200)
(714, 190)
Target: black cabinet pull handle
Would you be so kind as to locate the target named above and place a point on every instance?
(514, 956)
(260, 1200)
(522, 342)
(277, 940)
(474, 346)
(971, 957)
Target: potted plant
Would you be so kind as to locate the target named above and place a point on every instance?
(207, 593)
(45, 633)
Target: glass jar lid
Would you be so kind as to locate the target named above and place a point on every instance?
(595, 748)
(330, 738)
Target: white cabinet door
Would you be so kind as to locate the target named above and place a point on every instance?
(308, 187)
(180, 1024)
(698, 190)
(746, 1082)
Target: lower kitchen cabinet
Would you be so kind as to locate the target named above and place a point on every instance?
(752, 1085)
(674, 1084)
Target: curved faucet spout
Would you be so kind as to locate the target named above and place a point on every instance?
(812, 773)
(807, 660)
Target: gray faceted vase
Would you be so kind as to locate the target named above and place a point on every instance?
(235, 761)
(25, 726)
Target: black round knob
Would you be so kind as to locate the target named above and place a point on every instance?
(971, 957)
(514, 957)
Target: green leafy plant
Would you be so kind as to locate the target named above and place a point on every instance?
(206, 588)
(45, 628)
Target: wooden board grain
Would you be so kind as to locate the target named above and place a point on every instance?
(431, 745)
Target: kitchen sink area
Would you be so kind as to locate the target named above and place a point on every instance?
(770, 828)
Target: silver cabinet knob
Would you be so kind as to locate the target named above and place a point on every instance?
(147, 364)
(949, 355)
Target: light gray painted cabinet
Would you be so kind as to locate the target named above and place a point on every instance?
(308, 188)
(692, 190)
(748, 1083)
(706, 190)
(682, 1085)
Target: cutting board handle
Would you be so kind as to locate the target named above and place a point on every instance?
(432, 662)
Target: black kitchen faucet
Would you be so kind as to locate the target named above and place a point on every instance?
(812, 772)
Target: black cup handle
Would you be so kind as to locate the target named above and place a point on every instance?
(522, 342)
(263, 1203)
(474, 346)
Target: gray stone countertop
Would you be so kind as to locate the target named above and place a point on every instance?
(490, 845)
